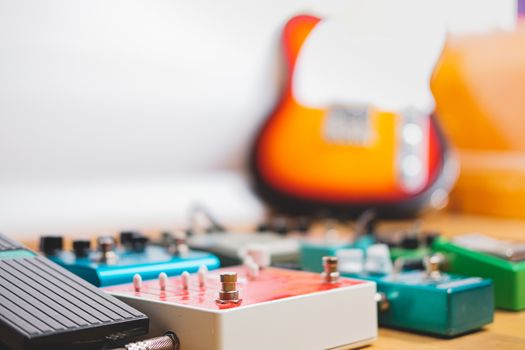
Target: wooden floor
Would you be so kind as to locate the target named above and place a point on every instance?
(507, 332)
(508, 329)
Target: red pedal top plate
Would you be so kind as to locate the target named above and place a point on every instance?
(271, 284)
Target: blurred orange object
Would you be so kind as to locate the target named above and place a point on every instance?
(479, 87)
(491, 183)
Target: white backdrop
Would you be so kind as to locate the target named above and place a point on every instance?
(118, 113)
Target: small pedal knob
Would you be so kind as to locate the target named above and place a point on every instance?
(263, 227)
(228, 292)
(253, 270)
(280, 225)
(430, 237)
(185, 279)
(126, 238)
(378, 259)
(259, 254)
(432, 266)
(351, 260)
(139, 242)
(163, 280)
(179, 246)
(201, 274)
(303, 224)
(137, 283)
(166, 238)
(81, 247)
(410, 242)
(51, 245)
(330, 267)
(106, 246)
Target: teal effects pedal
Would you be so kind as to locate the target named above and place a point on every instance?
(110, 264)
(427, 301)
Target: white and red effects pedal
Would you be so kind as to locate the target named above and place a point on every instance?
(241, 308)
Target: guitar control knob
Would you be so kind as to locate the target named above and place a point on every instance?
(51, 245)
(81, 247)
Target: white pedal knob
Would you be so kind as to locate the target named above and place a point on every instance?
(378, 259)
(253, 270)
(163, 279)
(260, 254)
(201, 274)
(351, 260)
(137, 282)
(185, 278)
(247, 260)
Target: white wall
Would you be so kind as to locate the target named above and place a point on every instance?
(93, 93)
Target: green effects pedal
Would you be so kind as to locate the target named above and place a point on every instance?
(503, 262)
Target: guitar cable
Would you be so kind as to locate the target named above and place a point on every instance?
(213, 223)
(168, 341)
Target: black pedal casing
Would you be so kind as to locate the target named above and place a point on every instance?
(43, 306)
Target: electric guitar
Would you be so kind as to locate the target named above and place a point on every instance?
(347, 157)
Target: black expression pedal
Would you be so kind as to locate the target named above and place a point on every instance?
(44, 306)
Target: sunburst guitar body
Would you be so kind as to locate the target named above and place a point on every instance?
(347, 157)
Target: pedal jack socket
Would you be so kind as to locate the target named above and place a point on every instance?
(330, 267)
(228, 292)
(383, 304)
